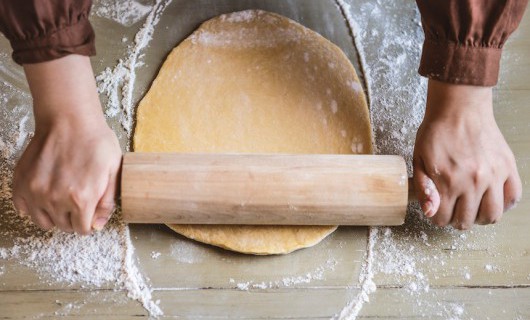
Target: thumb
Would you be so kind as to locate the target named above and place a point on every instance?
(106, 204)
(426, 190)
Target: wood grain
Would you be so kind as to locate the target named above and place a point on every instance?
(264, 189)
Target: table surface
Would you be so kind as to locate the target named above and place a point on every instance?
(478, 274)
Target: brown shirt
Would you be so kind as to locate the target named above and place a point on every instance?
(463, 38)
(42, 30)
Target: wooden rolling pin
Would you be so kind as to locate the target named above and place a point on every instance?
(260, 189)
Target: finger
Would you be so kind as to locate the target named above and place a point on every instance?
(81, 217)
(465, 213)
(62, 221)
(426, 190)
(444, 214)
(491, 207)
(41, 218)
(512, 191)
(81, 221)
(106, 204)
(20, 206)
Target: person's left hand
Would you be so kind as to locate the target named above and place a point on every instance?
(464, 171)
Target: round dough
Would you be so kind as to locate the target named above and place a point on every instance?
(255, 82)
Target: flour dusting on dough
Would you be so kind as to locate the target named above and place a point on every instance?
(270, 111)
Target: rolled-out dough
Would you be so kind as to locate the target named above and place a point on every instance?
(255, 82)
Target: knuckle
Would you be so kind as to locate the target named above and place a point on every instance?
(79, 197)
(37, 187)
(55, 196)
(106, 206)
(479, 176)
(433, 170)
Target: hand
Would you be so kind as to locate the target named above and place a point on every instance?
(67, 176)
(464, 170)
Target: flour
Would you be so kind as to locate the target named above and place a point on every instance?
(133, 281)
(397, 98)
(106, 257)
(187, 252)
(118, 83)
(124, 12)
(246, 38)
(93, 260)
(241, 16)
(368, 286)
(289, 281)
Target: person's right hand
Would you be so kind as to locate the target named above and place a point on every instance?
(67, 176)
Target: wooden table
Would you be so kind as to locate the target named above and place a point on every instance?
(420, 271)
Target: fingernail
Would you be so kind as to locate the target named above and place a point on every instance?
(99, 224)
(511, 205)
(427, 209)
(22, 213)
(428, 191)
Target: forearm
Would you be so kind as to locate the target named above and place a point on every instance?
(453, 101)
(63, 90)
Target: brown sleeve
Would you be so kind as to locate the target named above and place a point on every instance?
(43, 30)
(464, 38)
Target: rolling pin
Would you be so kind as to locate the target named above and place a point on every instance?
(264, 189)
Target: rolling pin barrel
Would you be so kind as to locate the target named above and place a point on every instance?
(259, 189)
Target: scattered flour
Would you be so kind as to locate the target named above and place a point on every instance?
(124, 12)
(366, 276)
(92, 260)
(118, 83)
(106, 257)
(317, 274)
(187, 252)
(247, 37)
(241, 16)
(396, 101)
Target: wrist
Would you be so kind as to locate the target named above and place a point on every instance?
(456, 102)
(64, 92)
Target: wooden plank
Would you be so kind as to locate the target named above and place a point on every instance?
(192, 304)
(336, 261)
(514, 66)
(260, 304)
(388, 303)
(511, 113)
(449, 303)
(486, 256)
(523, 31)
(76, 304)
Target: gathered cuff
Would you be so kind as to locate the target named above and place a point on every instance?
(460, 64)
(77, 38)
